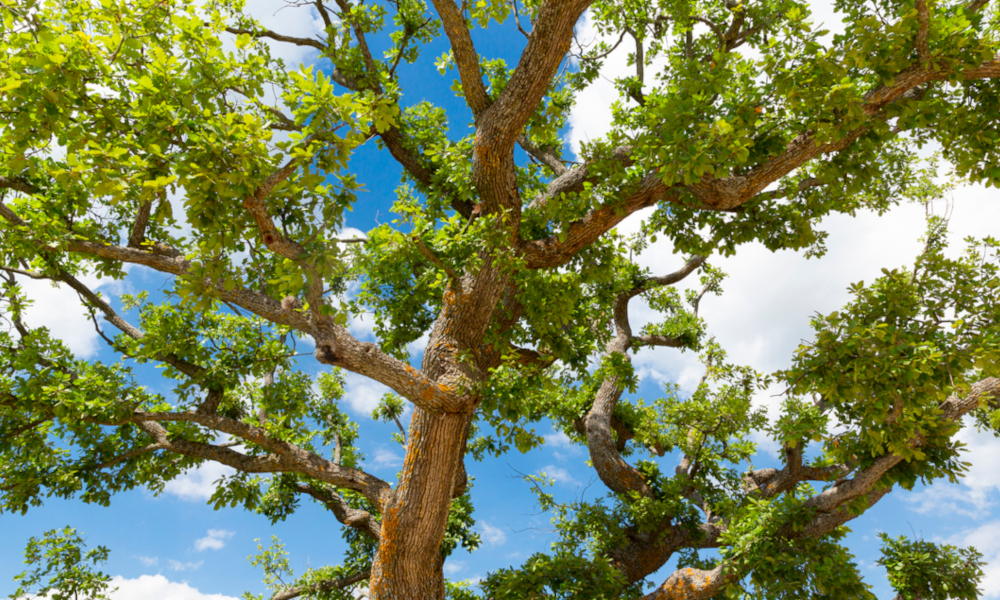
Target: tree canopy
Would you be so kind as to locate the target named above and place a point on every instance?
(164, 134)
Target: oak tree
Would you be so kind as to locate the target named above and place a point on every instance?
(164, 134)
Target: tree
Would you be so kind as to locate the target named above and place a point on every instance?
(162, 133)
(62, 568)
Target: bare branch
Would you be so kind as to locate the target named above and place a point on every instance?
(433, 258)
(267, 33)
(549, 159)
(679, 275)
(657, 340)
(28, 274)
(17, 183)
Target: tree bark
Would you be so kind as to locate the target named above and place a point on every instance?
(409, 561)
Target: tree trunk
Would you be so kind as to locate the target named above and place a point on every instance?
(409, 562)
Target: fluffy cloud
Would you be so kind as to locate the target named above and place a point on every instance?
(158, 587)
(215, 540)
(979, 489)
(494, 536)
(558, 439)
(986, 539)
(198, 484)
(176, 565)
(560, 476)
(58, 308)
(386, 458)
(362, 394)
(149, 561)
(562, 447)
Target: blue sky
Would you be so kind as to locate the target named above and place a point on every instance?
(175, 547)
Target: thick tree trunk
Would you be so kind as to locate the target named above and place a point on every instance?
(409, 560)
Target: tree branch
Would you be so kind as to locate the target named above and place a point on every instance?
(605, 454)
(284, 457)
(433, 258)
(267, 33)
(359, 519)
(465, 55)
(323, 586)
(549, 159)
(729, 192)
(138, 234)
(923, 26)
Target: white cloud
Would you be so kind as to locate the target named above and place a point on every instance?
(978, 490)
(386, 458)
(149, 561)
(362, 326)
(176, 565)
(558, 439)
(290, 21)
(58, 308)
(560, 476)
(453, 566)
(362, 394)
(215, 540)
(494, 536)
(158, 587)
(198, 484)
(417, 346)
(768, 298)
(986, 539)
(562, 447)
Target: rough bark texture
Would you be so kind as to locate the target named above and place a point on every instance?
(409, 563)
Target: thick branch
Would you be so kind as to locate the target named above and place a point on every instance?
(359, 519)
(550, 40)
(465, 55)
(547, 158)
(17, 183)
(730, 192)
(691, 584)
(923, 26)
(605, 454)
(284, 457)
(323, 586)
(498, 128)
(138, 234)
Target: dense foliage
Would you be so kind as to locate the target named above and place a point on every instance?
(164, 134)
